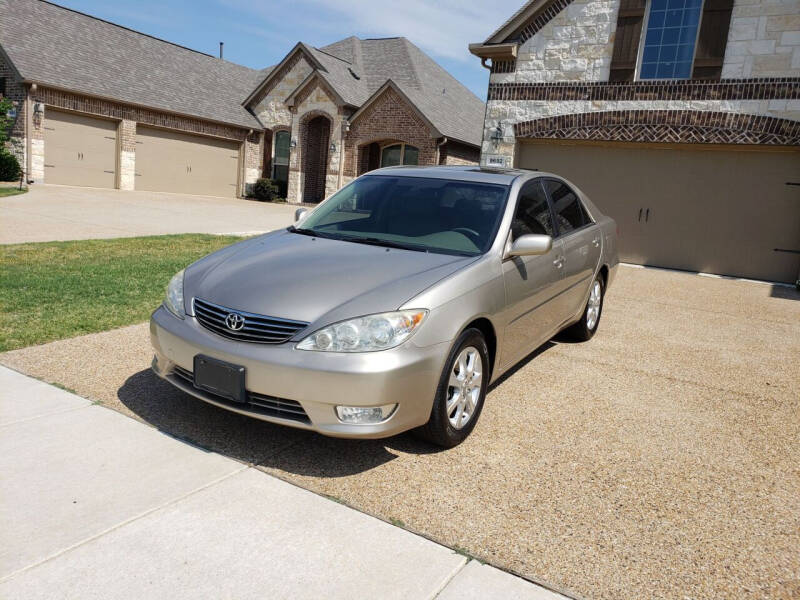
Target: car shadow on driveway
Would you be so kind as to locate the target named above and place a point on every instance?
(250, 440)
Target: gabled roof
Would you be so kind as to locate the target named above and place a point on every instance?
(451, 108)
(66, 49)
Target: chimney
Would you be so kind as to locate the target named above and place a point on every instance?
(221, 44)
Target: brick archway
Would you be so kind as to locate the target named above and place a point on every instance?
(316, 139)
(664, 126)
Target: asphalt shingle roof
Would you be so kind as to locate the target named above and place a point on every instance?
(455, 111)
(59, 47)
(62, 48)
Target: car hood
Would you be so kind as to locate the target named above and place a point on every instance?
(317, 280)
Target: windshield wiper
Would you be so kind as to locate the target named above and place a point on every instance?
(311, 232)
(373, 241)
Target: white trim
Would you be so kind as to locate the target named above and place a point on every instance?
(711, 275)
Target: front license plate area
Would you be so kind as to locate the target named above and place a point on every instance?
(220, 378)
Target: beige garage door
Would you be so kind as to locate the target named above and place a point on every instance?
(715, 211)
(79, 150)
(168, 161)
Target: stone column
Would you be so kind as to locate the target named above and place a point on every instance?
(127, 154)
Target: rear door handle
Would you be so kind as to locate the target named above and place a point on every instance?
(596, 242)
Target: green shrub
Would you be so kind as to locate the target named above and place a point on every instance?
(265, 190)
(9, 166)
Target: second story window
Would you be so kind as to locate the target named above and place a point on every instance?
(670, 38)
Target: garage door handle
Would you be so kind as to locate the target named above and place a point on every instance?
(640, 215)
(647, 216)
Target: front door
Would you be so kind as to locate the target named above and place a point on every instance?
(532, 283)
(315, 159)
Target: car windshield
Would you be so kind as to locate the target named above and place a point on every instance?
(415, 213)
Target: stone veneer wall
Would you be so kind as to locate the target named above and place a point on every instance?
(270, 107)
(315, 100)
(763, 40)
(546, 80)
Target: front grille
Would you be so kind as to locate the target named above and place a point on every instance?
(257, 403)
(258, 329)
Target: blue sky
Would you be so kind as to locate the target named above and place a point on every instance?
(258, 33)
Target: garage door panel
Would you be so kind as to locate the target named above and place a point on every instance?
(169, 161)
(80, 150)
(717, 211)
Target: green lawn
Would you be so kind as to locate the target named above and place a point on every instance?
(11, 191)
(58, 290)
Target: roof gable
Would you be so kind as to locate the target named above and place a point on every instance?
(391, 85)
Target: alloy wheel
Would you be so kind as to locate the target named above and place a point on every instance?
(464, 387)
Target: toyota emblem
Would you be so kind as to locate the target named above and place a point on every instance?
(234, 321)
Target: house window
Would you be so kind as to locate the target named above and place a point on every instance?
(280, 160)
(670, 38)
(2, 86)
(399, 154)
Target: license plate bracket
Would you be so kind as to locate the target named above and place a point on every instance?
(220, 378)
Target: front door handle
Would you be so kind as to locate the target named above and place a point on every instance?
(559, 262)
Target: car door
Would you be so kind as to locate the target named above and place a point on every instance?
(531, 282)
(581, 241)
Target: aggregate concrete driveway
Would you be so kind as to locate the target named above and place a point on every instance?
(56, 213)
(659, 460)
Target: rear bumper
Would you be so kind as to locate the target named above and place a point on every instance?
(319, 381)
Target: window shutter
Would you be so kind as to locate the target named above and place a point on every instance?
(626, 40)
(713, 38)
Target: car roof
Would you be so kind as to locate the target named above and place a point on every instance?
(458, 173)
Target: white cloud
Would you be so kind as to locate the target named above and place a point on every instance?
(443, 27)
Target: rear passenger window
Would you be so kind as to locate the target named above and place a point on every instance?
(533, 213)
(569, 211)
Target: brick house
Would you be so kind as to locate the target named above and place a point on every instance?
(105, 106)
(679, 118)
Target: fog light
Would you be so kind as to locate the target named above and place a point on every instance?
(364, 414)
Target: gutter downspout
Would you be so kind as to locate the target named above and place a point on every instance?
(438, 151)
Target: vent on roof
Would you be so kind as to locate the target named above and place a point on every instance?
(353, 73)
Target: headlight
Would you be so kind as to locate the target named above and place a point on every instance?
(174, 298)
(366, 334)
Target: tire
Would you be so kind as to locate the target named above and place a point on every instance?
(440, 429)
(583, 330)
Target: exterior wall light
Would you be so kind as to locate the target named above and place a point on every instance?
(333, 147)
(293, 143)
(497, 136)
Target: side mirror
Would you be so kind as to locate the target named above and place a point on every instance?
(530, 245)
(299, 214)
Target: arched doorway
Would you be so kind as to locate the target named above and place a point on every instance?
(315, 158)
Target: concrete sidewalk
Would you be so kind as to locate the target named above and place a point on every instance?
(96, 505)
(57, 213)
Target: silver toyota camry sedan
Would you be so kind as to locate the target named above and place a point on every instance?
(392, 305)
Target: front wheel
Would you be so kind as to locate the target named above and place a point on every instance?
(461, 392)
(584, 329)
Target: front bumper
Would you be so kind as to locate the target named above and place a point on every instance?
(319, 381)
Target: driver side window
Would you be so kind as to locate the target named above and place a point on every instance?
(533, 212)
